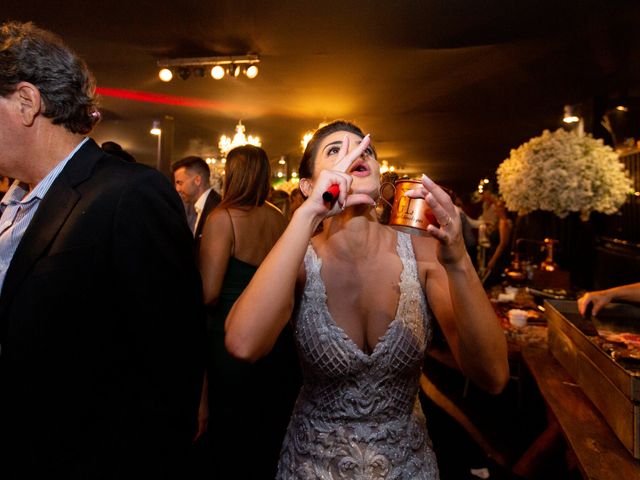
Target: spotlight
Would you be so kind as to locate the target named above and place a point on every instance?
(155, 128)
(165, 75)
(184, 73)
(234, 70)
(217, 72)
(198, 72)
(251, 71)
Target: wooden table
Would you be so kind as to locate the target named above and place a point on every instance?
(598, 452)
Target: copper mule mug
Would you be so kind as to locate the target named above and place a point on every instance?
(410, 215)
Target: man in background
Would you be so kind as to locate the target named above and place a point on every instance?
(101, 318)
(191, 178)
(296, 198)
(116, 149)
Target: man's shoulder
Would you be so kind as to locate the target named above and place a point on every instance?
(213, 199)
(92, 164)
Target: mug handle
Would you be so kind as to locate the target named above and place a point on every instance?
(382, 188)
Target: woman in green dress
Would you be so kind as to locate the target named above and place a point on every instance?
(248, 405)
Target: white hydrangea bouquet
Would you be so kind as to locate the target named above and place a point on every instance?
(563, 172)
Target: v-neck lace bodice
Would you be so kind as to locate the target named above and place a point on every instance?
(357, 415)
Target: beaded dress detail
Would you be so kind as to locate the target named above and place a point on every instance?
(358, 415)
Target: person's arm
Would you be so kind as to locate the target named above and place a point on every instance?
(216, 247)
(600, 298)
(203, 410)
(505, 235)
(475, 223)
(261, 312)
(457, 297)
(265, 306)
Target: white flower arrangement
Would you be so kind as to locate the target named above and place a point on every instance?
(563, 172)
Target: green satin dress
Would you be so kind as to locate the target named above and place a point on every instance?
(249, 404)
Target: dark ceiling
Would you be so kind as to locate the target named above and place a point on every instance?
(445, 87)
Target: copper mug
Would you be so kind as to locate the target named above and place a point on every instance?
(410, 215)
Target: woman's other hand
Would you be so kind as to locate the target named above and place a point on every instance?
(448, 234)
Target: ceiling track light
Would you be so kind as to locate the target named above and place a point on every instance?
(233, 70)
(217, 67)
(184, 73)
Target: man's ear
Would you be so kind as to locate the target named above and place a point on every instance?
(306, 186)
(30, 102)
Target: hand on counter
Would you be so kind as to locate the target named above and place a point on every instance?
(599, 298)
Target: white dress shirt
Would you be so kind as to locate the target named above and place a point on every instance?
(199, 207)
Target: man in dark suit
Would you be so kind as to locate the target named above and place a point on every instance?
(101, 319)
(191, 178)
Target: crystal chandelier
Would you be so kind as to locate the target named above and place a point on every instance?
(226, 143)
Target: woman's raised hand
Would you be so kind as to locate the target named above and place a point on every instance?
(339, 176)
(449, 234)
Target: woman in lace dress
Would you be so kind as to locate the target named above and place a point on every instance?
(363, 297)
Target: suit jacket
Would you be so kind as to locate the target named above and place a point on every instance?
(101, 329)
(213, 199)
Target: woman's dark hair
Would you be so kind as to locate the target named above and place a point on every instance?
(67, 88)
(247, 177)
(307, 161)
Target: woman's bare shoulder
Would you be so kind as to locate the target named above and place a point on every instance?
(218, 218)
(275, 215)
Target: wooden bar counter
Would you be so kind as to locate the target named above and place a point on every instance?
(598, 452)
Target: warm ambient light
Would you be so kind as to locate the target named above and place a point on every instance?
(481, 184)
(165, 75)
(155, 128)
(217, 72)
(226, 143)
(571, 119)
(251, 72)
(385, 167)
(306, 139)
(571, 114)
(622, 108)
